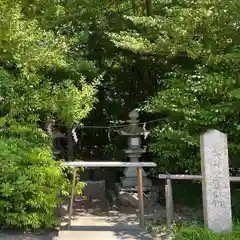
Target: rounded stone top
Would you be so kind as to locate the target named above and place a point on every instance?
(133, 115)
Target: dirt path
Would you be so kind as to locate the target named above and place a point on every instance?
(98, 220)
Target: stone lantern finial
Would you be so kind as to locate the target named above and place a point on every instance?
(133, 115)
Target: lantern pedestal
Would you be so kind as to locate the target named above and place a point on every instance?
(127, 189)
(128, 196)
(130, 178)
(132, 172)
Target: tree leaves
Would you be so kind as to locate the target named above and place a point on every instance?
(33, 52)
(205, 96)
(40, 78)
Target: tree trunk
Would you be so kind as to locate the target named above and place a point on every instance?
(149, 7)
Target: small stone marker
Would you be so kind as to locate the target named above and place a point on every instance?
(215, 182)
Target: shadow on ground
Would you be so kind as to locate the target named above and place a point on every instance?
(27, 236)
(101, 208)
(117, 231)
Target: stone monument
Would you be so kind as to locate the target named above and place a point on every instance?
(215, 182)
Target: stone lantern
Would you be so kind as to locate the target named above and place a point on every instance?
(134, 151)
(56, 136)
(127, 188)
(49, 125)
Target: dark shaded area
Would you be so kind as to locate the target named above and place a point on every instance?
(189, 194)
(13, 235)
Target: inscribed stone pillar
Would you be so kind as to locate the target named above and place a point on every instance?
(215, 182)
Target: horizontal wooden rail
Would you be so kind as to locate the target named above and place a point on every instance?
(110, 164)
(179, 177)
(190, 177)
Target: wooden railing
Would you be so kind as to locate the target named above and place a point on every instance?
(168, 190)
(138, 165)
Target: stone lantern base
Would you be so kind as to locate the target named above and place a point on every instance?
(127, 189)
(129, 196)
(130, 178)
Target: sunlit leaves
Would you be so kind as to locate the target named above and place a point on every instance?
(28, 53)
(205, 95)
(132, 42)
(29, 182)
(40, 78)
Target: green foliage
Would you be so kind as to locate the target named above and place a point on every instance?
(199, 233)
(184, 59)
(38, 74)
(204, 95)
(192, 230)
(185, 55)
(40, 78)
(188, 54)
(30, 179)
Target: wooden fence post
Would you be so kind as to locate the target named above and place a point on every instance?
(140, 197)
(72, 196)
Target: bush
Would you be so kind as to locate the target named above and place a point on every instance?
(29, 179)
(198, 233)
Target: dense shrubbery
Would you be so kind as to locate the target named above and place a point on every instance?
(39, 79)
(29, 179)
